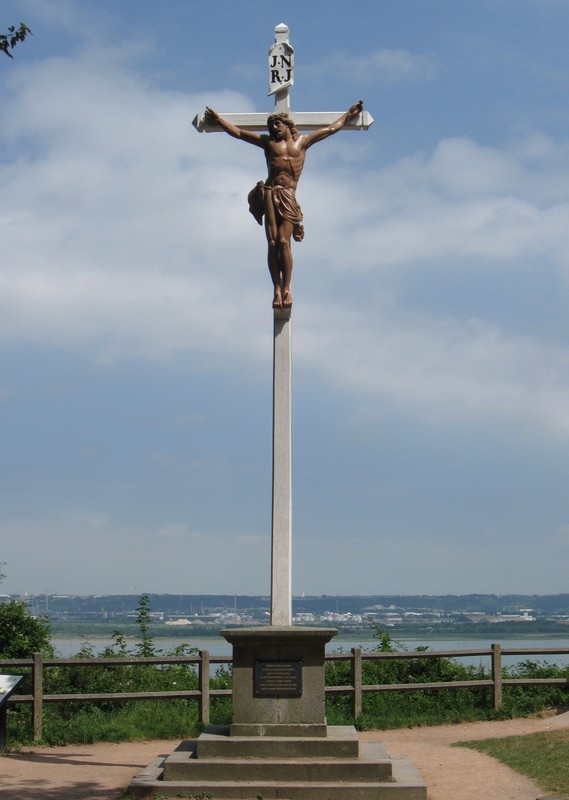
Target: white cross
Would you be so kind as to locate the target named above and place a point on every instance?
(281, 79)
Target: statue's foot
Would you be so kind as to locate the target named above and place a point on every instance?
(287, 299)
(278, 298)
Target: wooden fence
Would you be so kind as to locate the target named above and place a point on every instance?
(203, 663)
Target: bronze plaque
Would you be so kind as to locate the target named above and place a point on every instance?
(277, 679)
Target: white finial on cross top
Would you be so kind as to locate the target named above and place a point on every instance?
(281, 69)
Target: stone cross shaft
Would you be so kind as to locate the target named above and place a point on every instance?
(281, 526)
(281, 79)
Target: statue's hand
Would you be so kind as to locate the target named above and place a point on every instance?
(356, 109)
(211, 116)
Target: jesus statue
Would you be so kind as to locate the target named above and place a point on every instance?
(275, 199)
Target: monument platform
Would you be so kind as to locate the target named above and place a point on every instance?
(293, 768)
(278, 744)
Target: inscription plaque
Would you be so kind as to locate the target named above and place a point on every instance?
(277, 679)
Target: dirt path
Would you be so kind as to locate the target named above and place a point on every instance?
(103, 771)
(459, 773)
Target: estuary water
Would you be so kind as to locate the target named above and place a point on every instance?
(217, 646)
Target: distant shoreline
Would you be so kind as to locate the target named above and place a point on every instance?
(344, 635)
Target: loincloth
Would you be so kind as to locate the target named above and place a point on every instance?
(284, 202)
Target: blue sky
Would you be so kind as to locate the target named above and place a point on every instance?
(431, 333)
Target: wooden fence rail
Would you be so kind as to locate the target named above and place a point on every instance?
(203, 662)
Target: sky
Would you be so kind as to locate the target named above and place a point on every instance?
(431, 294)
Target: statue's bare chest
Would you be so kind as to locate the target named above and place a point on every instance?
(286, 152)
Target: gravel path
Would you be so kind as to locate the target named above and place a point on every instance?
(103, 771)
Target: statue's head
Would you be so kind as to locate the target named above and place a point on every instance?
(273, 125)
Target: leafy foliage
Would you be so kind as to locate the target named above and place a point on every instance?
(15, 35)
(22, 635)
(382, 710)
(117, 720)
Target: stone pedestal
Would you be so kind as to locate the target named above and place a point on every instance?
(278, 745)
(278, 680)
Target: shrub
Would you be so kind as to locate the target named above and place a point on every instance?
(383, 710)
(22, 635)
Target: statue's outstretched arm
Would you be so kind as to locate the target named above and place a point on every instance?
(251, 137)
(334, 127)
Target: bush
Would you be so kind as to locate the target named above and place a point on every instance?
(22, 635)
(382, 710)
(115, 720)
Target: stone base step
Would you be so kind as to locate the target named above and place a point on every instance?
(373, 764)
(277, 729)
(406, 784)
(341, 741)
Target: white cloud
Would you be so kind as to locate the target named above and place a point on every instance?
(116, 228)
(443, 369)
(128, 234)
(465, 201)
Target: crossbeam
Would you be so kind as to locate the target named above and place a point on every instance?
(304, 120)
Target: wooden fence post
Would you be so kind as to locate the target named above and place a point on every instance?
(497, 675)
(357, 702)
(204, 686)
(37, 689)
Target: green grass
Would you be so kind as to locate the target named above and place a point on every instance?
(544, 757)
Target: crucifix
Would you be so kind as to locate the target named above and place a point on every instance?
(275, 200)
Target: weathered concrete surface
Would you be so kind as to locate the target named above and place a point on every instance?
(241, 768)
(278, 644)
